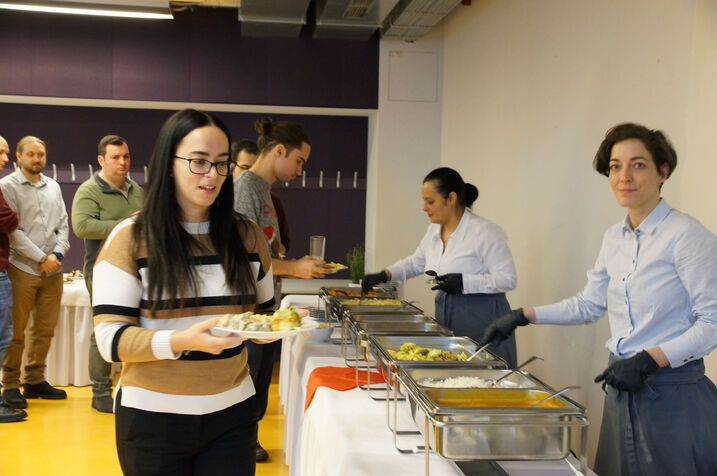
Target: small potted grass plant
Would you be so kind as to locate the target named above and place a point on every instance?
(355, 262)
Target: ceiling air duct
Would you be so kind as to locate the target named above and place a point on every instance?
(350, 19)
(412, 19)
(272, 18)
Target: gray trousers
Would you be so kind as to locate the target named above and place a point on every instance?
(469, 315)
(99, 368)
(669, 428)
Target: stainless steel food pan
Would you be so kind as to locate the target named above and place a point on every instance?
(494, 423)
(450, 374)
(392, 317)
(380, 344)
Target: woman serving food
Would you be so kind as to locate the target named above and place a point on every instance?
(656, 276)
(184, 401)
(469, 256)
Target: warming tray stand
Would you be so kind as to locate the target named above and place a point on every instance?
(441, 425)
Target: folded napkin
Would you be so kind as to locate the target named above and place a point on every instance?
(336, 378)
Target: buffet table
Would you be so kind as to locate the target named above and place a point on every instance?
(346, 433)
(67, 360)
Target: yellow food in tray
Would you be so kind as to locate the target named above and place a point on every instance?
(371, 302)
(411, 351)
(286, 319)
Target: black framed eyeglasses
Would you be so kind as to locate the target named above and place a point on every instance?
(203, 166)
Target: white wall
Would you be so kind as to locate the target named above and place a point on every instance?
(405, 137)
(529, 90)
(699, 167)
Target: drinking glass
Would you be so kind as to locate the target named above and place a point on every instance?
(317, 245)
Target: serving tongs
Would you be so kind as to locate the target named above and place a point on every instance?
(495, 382)
(559, 392)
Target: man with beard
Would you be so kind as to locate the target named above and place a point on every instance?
(35, 271)
(101, 202)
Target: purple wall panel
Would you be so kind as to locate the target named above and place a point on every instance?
(151, 61)
(199, 56)
(71, 59)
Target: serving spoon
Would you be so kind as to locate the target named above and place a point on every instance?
(472, 356)
(495, 382)
(433, 276)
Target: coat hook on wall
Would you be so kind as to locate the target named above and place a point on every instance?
(92, 172)
(303, 178)
(54, 172)
(321, 178)
(72, 171)
(145, 174)
(355, 178)
(338, 179)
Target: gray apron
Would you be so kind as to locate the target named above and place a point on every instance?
(469, 315)
(669, 428)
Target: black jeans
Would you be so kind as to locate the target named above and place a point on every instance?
(261, 365)
(217, 444)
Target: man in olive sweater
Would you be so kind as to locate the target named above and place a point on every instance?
(100, 203)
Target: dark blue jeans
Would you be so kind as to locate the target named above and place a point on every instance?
(5, 314)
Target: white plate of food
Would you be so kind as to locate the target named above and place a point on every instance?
(285, 322)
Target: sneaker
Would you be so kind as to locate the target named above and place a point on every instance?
(14, 399)
(43, 390)
(261, 454)
(8, 415)
(103, 403)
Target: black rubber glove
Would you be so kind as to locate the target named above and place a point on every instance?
(503, 327)
(451, 283)
(371, 280)
(629, 375)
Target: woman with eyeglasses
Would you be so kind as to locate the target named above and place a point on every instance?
(656, 277)
(184, 402)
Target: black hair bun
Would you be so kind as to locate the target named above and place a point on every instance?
(471, 192)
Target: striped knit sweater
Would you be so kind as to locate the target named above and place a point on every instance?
(154, 378)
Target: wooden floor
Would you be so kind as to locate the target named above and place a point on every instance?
(68, 437)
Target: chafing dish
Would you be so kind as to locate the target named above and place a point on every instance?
(330, 301)
(493, 423)
(378, 347)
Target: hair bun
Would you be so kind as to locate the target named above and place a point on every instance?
(263, 126)
(471, 192)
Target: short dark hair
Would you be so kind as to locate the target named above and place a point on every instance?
(288, 134)
(655, 141)
(109, 140)
(246, 145)
(448, 180)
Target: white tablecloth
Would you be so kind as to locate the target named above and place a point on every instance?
(345, 432)
(67, 359)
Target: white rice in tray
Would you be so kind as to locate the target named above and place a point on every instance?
(465, 382)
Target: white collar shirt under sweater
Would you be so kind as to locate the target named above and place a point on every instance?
(658, 284)
(478, 249)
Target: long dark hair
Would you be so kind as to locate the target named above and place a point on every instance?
(448, 180)
(170, 248)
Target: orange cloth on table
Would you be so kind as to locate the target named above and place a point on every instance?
(337, 378)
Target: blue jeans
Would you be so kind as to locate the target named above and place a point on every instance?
(5, 314)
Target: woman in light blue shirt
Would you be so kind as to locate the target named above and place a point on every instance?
(469, 254)
(656, 276)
